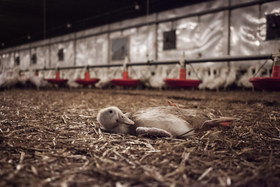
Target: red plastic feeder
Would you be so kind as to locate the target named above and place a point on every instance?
(182, 82)
(125, 81)
(57, 80)
(87, 80)
(269, 83)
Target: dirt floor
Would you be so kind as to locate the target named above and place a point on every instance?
(52, 138)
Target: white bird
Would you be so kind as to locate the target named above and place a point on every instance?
(204, 73)
(38, 82)
(9, 78)
(158, 121)
(217, 80)
(216, 77)
(142, 73)
(105, 76)
(230, 76)
(2, 79)
(156, 80)
(243, 81)
(72, 76)
(23, 78)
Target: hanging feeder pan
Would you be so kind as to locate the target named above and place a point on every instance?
(87, 82)
(125, 82)
(182, 83)
(57, 81)
(266, 83)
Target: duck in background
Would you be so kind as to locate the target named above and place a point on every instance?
(156, 79)
(9, 78)
(218, 78)
(72, 75)
(23, 79)
(37, 81)
(230, 76)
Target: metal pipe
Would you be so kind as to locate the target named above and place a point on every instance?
(189, 61)
(231, 58)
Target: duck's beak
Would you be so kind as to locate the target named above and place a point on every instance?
(123, 119)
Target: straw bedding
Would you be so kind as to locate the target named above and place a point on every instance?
(52, 138)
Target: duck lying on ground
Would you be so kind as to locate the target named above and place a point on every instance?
(166, 121)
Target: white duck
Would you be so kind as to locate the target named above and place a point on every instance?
(38, 82)
(230, 76)
(156, 80)
(158, 121)
(72, 76)
(9, 78)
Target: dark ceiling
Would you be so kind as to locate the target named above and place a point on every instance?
(24, 21)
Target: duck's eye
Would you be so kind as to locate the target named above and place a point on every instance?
(110, 111)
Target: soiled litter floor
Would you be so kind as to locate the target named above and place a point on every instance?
(52, 138)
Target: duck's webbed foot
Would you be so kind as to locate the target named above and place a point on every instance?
(223, 121)
(151, 131)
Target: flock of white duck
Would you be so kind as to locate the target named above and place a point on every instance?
(214, 76)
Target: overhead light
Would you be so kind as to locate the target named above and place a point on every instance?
(28, 37)
(68, 25)
(136, 5)
(3, 44)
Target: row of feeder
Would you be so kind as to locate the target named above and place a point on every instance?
(263, 83)
(182, 82)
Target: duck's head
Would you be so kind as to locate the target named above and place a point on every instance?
(111, 117)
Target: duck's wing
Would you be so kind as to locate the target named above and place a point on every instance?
(152, 131)
(195, 118)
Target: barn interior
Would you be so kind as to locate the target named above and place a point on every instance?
(63, 61)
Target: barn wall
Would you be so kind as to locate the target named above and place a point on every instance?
(196, 36)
